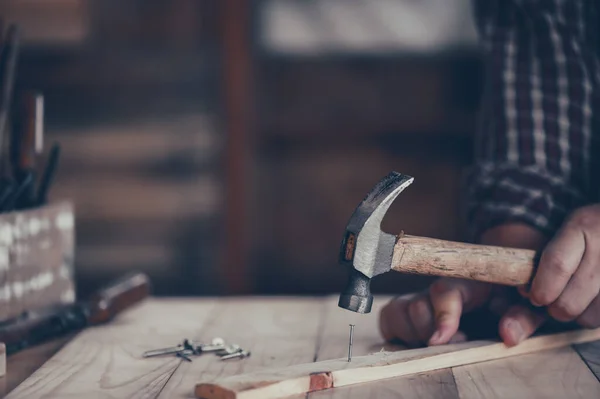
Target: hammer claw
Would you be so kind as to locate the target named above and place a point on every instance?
(365, 249)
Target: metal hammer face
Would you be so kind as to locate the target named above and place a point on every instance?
(366, 250)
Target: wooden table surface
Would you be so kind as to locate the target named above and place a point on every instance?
(106, 361)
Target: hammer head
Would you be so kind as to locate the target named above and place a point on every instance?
(366, 250)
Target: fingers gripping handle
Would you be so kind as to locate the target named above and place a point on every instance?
(433, 257)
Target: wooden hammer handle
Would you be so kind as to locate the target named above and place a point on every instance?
(428, 256)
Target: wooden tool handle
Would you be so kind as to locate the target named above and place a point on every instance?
(118, 296)
(428, 256)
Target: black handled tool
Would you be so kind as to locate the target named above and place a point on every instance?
(26, 145)
(35, 327)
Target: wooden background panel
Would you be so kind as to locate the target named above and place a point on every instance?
(161, 143)
(138, 107)
(49, 22)
(308, 196)
(134, 104)
(148, 196)
(359, 96)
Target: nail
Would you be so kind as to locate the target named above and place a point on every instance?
(163, 351)
(350, 342)
(231, 349)
(240, 354)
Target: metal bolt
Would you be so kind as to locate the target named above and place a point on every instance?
(163, 351)
(217, 344)
(212, 348)
(350, 342)
(239, 354)
(229, 350)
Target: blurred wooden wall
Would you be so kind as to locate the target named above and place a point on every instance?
(331, 128)
(132, 95)
(136, 91)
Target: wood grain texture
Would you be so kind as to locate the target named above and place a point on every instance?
(537, 375)
(278, 332)
(437, 384)
(428, 256)
(277, 383)
(107, 361)
(2, 359)
(333, 344)
(590, 353)
(21, 365)
(281, 333)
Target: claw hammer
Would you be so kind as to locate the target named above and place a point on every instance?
(367, 252)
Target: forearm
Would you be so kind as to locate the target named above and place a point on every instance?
(533, 153)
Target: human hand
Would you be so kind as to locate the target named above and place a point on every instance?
(433, 317)
(567, 279)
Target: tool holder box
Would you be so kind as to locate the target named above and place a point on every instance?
(36, 258)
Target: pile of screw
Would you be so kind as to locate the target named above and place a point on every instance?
(191, 348)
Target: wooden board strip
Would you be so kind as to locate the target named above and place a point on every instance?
(590, 353)
(303, 378)
(107, 361)
(279, 332)
(2, 359)
(435, 385)
(367, 339)
(558, 373)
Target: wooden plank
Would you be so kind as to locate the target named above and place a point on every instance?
(20, 365)
(238, 106)
(49, 22)
(278, 332)
(2, 359)
(435, 385)
(190, 140)
(303, 378)
(367, 339)
(318, 98)
(138, 197)
(107, 361)
(558, 373)
(590, 353)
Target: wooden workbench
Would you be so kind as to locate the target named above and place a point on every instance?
(106, 362)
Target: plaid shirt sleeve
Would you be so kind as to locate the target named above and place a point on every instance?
(534, 149)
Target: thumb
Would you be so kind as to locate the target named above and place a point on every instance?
(449, 298)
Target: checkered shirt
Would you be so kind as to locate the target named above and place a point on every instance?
(537, 148)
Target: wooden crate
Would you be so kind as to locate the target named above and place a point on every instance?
(36, 258)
